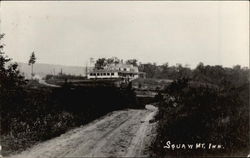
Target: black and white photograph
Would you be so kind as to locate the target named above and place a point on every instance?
(97, 78)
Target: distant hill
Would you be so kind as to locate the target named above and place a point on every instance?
(43, 69)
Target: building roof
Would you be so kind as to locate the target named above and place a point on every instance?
(122, 66)
(111, 71)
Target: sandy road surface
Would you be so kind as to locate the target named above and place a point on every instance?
(120, 133)
(47, 84)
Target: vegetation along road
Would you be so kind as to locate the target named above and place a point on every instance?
(120, 133)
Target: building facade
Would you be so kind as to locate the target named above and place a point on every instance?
(115, 71)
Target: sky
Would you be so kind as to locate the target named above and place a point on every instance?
(70, 33)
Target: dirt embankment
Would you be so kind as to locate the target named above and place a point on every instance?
(120, 133)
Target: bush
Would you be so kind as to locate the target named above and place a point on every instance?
(40, 114)
(203, 113)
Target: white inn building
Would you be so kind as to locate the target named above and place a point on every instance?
(116, 71)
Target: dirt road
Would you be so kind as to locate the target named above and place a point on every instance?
(120, 133)
(46, 84)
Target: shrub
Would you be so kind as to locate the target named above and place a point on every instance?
(203, 113)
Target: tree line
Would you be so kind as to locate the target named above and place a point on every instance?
(202, 73)
(102, 62)
(206, 73)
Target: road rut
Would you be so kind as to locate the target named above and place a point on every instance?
(120, 133)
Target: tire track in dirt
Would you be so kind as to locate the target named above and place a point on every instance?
(92, 149)
(120, 133)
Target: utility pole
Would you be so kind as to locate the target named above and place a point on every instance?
(86, 70)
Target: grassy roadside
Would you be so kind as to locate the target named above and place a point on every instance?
(37, 114)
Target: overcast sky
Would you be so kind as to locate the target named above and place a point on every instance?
(69, 33)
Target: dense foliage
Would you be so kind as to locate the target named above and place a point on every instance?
(11, 88)
(212, 106)
(40, 114)
(202, 73)
(31, 112)
(10, 77)
(102, 62)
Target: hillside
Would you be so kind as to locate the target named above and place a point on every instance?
(44, 69)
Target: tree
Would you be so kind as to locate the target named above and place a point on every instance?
(100, 63)
(132, 62)
(3, 59)
(110, 61)
(10, 77)
(113, 60)
(116, 60)
(198, 72)
(149, 69)
(164, 71)
(32, 61)
(11, 88)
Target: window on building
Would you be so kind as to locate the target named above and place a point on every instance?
(98, 74)
(112, 74)
(108, 74)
